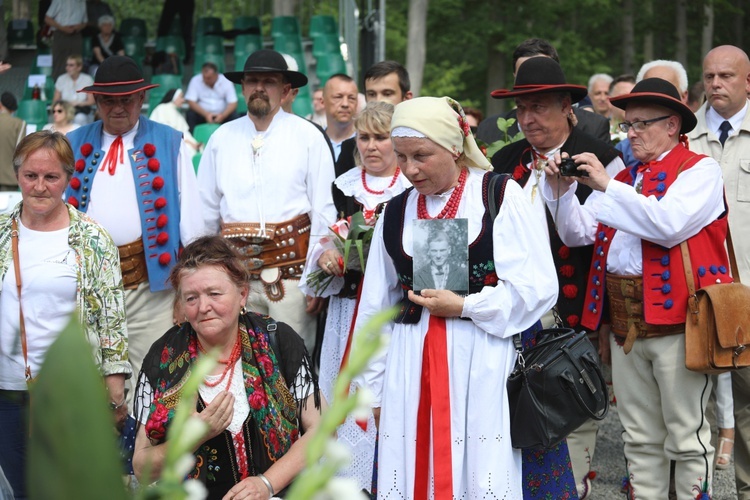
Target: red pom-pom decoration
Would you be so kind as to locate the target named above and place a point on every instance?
(153, 164)
(567, 271)
(80, 165)
(564, 252)
(75, 183)
(149, 149)
(160, 203)
(162, 239)
(157, 183)
(73, 201)
(165, 259)
(87, 149)
(161, 221)
(573, 320)
(570, 291)
(518, 172)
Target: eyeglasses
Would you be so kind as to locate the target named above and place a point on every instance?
(640, 125)
(58, 111)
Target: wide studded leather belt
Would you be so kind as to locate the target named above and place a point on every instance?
(282, 245)
(626, 311)
(133, 264)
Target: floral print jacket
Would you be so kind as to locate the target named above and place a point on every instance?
(100, 297)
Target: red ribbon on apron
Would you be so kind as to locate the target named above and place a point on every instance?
(345, 358)
(434, 413)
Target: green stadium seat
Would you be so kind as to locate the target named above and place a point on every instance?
(209, 44)
(208, 25)
(197, 161)
(247, 23)
(40, 70)
(203, 132)
(284, 25)
(171, 44)
(244, 45)
(302, 105)
(241, 102)
(288, 44)
(328, 66)
(326, 44)
(133, 26)
(88, 51)
(20, 32)
(49, 90)
(323, 25)
(135, 48)
(200, 59)
(33, 112)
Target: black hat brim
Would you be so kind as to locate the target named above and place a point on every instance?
(295, 78)
(577, 92)
(118, 88)
(689, 121)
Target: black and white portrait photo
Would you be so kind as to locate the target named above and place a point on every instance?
(441, 254)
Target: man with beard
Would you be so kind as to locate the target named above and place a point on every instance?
(265, 183)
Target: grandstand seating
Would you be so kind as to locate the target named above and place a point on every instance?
(323, 25)
(33, 112)
(132, 26)
(208, 25)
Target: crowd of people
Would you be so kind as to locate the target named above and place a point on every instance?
(248, 258)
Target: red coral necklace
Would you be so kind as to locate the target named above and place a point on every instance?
(372, 191)
(230, 363)
(451, 208)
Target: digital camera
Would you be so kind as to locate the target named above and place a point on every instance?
(569, 168)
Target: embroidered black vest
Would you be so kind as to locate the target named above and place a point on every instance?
(570, 263)
(481, 261)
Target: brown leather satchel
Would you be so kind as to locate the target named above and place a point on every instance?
(717, 327)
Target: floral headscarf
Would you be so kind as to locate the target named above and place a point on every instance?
(442, 120)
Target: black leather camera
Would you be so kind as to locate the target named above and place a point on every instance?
(569, 168)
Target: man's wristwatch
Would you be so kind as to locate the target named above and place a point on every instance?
(114, 406)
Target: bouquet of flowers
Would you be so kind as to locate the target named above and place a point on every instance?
(351, 237)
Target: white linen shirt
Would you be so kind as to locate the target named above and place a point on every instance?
(68, 12)
(213, 99)
(291, 175)
(694, 200)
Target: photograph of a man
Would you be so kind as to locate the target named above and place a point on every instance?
(442, 263)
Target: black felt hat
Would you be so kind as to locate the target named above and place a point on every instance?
(662, 93)
(118, 75)
(268, 61)
(541, 75)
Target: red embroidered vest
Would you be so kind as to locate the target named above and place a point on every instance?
(665, 291)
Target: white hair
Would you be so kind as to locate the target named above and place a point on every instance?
(673, 65)
(600, 76)
(106, 19)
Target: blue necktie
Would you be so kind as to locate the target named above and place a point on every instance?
(725, 127)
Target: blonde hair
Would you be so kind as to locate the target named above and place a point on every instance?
(70, 110)
(375, 119)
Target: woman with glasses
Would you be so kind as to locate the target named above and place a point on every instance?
(62, 118)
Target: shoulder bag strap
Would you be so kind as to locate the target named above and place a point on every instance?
(22, 324)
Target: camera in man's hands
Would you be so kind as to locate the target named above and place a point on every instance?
(569, 168)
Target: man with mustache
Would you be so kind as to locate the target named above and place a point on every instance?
(265, 183)
(723, 132)
(135, 177)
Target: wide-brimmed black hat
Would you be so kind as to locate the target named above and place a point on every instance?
(541, 75)
(268, 61)
(660, 92)
(118, 75)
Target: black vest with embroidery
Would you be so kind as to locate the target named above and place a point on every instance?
(481, 261)
(571, 263)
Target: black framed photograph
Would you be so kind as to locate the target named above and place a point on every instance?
(441, 255)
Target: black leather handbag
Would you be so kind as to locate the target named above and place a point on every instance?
(554, 388)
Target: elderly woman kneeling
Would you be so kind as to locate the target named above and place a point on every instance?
(260, 397)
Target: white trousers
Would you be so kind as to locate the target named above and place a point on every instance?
(662, 407)
(290, 309)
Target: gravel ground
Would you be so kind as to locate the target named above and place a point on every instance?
(609, 465)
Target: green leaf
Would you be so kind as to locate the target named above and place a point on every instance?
(72, 449)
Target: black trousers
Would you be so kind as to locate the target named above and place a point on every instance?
(185, 9)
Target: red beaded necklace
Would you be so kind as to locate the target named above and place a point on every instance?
(372, 191)
(451, 208)
(230, 363)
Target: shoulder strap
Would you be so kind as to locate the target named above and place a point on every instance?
(22, 324)
(493, 201)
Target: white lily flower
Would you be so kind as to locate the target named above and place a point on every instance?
(363, 409)
(195, 489)
(184, 465)
(341, 488)
(338, 454)
(191, 434)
